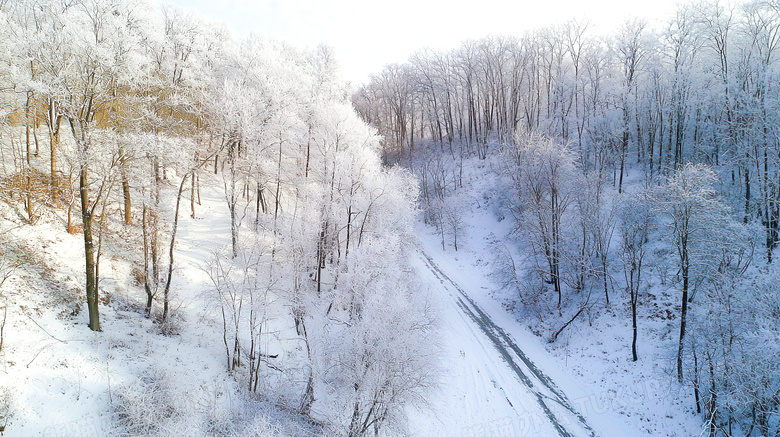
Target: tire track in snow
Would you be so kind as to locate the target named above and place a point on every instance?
(538, 383)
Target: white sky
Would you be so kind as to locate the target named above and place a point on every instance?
(368, 34)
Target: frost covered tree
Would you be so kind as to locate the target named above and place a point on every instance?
(331, 232)
(630, 53)
(86, 77)
(734, 357)
(699, 227)
(635, 226)
(543, 172)
(656, 104)
(373, 372)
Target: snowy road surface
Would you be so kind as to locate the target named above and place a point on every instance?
(491, 387)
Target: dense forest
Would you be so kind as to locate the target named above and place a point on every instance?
(117, 116)
(643, 160)
(639, 172)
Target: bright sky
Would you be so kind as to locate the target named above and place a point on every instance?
(366, 35)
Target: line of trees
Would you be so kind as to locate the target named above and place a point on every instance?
(119, 93)
(701, 87)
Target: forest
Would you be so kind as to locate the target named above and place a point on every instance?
(208, 234)
(644, 160)
(116, 118)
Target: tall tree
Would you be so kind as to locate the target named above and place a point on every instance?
(86, 79)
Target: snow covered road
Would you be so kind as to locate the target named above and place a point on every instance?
(553, 413)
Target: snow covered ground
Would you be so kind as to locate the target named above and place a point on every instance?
(590, 361)
(481, 395)
(491, 386)
(498, 379)
(64, 378)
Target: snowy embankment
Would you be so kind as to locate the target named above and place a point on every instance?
(65, 380)
(590, 361)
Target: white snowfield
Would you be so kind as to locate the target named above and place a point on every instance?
(498, 378)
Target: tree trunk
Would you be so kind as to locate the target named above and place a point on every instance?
(683, 314)
(696, 393)
(747, 195)
(54, 142)
(554, 245)
(28, 202)
(604, 270)
(128, 216)
(308, 396)
(166, 291)
(233, 224)
(70, 229)
(634, 299)
(192, 197)
(27, 126)
(89, 251)
(147, 282)
(713, 402)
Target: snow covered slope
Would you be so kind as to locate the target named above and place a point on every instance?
(589, 366)
(498, 378)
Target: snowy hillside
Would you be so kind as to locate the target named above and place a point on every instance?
(64, 379)
(556, 233)
(590, 361)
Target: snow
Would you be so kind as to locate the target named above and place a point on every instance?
(591, 364)
(478, 395)
(64, 378)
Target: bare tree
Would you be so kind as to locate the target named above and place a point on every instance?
(543, 170)
(635, 226)
(693, 215)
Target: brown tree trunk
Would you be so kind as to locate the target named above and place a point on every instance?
(192, 197)
(27, 125)
(128, 216)
(54, 142)
(89, 251)
(28, 179)
(147, 284)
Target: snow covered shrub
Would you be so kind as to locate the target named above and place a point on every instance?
(27, 190)
(172, 324)
(149, 407)
(6, 407)
(248, 416)
(260, 426)
(531, 291)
